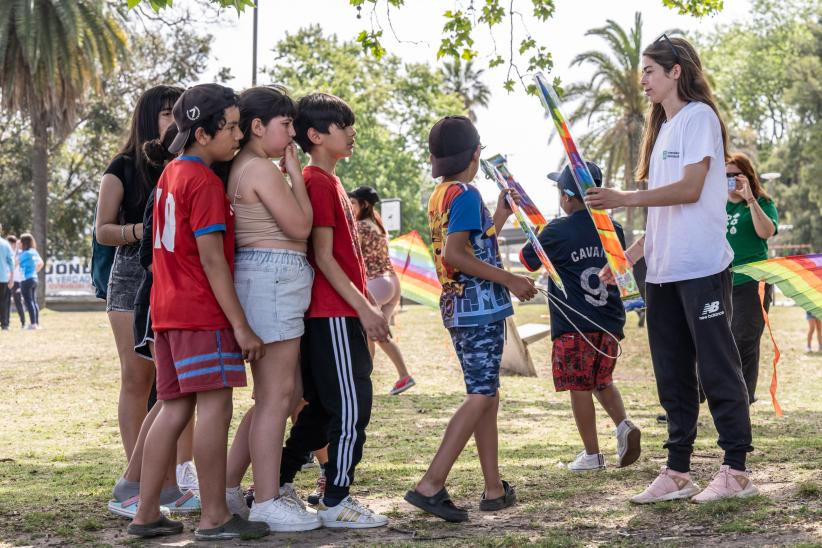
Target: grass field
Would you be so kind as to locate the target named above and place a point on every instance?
(60, 450)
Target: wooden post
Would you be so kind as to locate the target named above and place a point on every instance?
(516, 360)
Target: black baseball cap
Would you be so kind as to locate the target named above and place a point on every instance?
(566, 182)
(196, 103)
(365, 193)
(452, 141)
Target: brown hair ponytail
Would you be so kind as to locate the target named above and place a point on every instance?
(691, 86)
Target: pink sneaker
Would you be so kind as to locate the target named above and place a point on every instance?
(727, 483)
(668, 485)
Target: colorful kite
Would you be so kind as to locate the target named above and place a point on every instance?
(527, 206)
(414, 266)
(628, 289)
(799, 277)
(492, 172)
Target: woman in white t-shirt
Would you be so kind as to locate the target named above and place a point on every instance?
(688, 285)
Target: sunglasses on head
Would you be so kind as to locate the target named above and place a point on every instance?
(671, 45)
(733, 174)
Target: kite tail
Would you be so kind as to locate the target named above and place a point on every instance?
(776, 353)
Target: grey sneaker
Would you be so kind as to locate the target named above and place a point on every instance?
(629, 445)
(235, 501)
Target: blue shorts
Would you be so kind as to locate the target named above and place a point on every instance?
(479, 350)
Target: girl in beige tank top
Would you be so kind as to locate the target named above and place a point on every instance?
(273, 280)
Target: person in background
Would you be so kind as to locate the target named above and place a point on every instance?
(6, 280)
(752, 219)
(814, 324)
(30, 264)
(16, 292)
(383, 284)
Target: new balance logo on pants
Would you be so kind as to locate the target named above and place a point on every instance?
(711, 310)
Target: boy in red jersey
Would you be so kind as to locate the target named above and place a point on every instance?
(202, 335)
(336, 363)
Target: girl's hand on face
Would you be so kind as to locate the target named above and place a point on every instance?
(290, 162)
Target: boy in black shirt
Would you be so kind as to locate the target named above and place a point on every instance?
(574, 247)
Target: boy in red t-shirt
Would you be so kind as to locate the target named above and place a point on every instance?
(202, 335)
(336, 363)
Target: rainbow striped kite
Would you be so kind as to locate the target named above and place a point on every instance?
(527, 206)
(414, 266)
(628, 289)
(799, 277)
(492, 172)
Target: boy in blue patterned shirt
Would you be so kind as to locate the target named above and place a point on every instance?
(474, 304)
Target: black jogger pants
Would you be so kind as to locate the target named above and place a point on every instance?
(747, 325)
(336, 369)
(689, 329)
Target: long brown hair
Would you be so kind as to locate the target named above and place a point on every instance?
(745, 165)
(691, 86)
(367, 212)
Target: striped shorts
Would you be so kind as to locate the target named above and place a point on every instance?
(197, 361)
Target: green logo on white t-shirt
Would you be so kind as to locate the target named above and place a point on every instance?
(669, 154)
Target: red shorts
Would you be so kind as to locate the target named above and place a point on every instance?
(197, 361)
(578, 366)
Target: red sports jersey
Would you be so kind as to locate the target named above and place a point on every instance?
(190, 201)
(332, 208)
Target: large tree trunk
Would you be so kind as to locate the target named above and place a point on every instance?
(40, 194)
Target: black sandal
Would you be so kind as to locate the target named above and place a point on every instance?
(506, 500)
(440, 505)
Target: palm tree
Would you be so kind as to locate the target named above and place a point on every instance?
(461, 78)
(613, 104)
(52, 52)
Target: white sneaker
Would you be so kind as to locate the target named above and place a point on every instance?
(585, 462)
(235, 500)
(187, 477)
(629, 444)
(283, 515)
(350, 514)
(288, 492)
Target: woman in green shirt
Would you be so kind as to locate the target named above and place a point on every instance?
(752, 219)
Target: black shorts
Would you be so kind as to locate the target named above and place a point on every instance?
(143, 332)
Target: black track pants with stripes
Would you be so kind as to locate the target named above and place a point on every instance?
(336, 369)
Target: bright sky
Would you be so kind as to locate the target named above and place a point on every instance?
(513, 124)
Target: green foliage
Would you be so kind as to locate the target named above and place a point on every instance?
(395, 104)
(768, 71)
(169, 55)
(464, 80)
(464, 19)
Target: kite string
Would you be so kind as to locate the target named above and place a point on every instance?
(557, 302)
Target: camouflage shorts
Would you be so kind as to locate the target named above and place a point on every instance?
(479, 350)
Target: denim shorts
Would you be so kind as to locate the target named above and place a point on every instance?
(479, 350)
(126, 277)
(274, 287)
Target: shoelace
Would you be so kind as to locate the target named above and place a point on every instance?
(367, 513)
(190, 476)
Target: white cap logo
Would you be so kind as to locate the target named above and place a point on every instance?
(193, 113)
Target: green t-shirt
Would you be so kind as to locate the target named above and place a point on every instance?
(746, 243)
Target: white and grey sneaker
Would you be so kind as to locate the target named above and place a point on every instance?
(187, 477)
(585, 462)
(235, 500)
(283, 515)
(629, 444)
(350, 514)
(287, 491)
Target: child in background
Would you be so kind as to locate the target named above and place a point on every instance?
(336, 364)
(814, 324)
(582, 367)
(383, 284)
(474, 304)
(30, 264)
(16, 291)
(201, 333)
